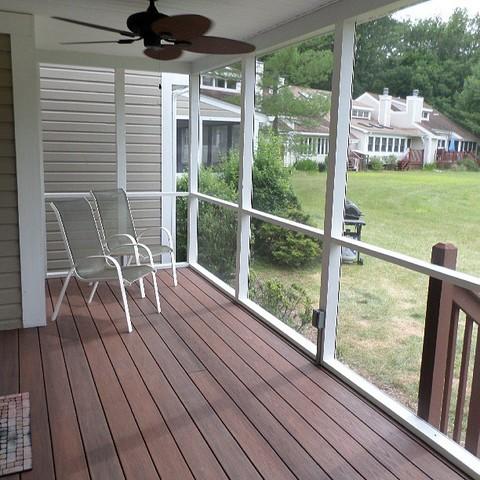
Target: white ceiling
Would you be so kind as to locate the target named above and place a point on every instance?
(239, 19)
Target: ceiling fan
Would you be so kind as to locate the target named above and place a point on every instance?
(166, 37)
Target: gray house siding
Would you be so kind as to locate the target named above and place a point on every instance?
(10, 278)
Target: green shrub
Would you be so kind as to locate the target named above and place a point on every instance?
(375, 164)
(322, 166)
(306, 165)
(281, 246)
(289, 303)
(429, 167)
(469, 164)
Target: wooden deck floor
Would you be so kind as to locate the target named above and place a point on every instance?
(202, 391)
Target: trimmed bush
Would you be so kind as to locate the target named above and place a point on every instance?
(322, 166)
(375, 164)
(469, 164)
(306, 165)
(289, 303)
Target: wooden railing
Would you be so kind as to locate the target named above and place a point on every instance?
(412, 160)
(444, 304)
(446, 159)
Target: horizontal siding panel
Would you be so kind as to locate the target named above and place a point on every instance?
(143, 170)
(76, 85)
(90, 74)
(7, 148)
(10, 312)
(10, 295)
(80, 157)
(5, 60)
(4, 43)
(74, 187)
(73, 96)
(69, 106)
(6, 96)
(9, 280)
(7, 130)
(5, 78)
(7, 165)
(79, 147)
(81, 177)
(81, 127)
(6, 113)
(8, 199)
(80, 137)
(154, 130)
(9, 248)
(143, 120)
(8, 215)
(78, 167)
(8, 232)
(135, 77)
(8, 183)
(142, 90)
(153, 101)
(10, 265)
(80, 117)
(143, 186)
(139, 148)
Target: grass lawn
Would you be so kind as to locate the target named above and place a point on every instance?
(382, 307)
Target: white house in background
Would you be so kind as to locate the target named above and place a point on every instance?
(386, 125)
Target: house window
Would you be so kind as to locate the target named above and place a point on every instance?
(370, 144)
(232, 84)
(402, 145)
(441, 144)
(383, 148)
(357, 113)
(377, 144)
(220, 82)
(390, 145)
(425, 115)
(322, 146)
(207, 81)
(397, 145)
(409, 142)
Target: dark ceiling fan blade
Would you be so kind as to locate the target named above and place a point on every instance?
(125, 33)
(122, 41)
(218, 46)
(169, 52)
(182, 27)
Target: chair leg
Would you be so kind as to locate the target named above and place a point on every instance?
(92, 293)
(142, 286)
(125, 305)
(155, 287)
(62, 294)
(174, 269)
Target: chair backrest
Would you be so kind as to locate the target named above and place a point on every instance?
(114, 215)
(80, 233)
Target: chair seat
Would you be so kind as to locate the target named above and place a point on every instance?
(128, 250)
(131, 273)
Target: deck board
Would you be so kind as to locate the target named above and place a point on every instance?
(201, 391)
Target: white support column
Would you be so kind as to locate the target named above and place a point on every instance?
(28, 149)
(121, 129)
(195, 145)
(336, 182)
(247, 134)
(169, 161)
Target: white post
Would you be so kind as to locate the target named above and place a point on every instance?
(169, 161)
(336, 183)
(247, 134)
(195, 152)
(121, 129)
(29, 162)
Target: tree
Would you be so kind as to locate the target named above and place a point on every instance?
(469, 101)
(291, 66)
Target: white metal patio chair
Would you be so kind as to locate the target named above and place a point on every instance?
(116, 220)
(88, 259)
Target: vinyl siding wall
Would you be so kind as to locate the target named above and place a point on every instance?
(10, 291)
(80, 146)
(143, 112)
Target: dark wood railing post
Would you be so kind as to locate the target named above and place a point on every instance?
(435, 340)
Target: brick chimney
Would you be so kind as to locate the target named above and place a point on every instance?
(414, 107)
(385, 110)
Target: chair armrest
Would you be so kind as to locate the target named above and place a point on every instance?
(149, 253)
(128, 236)
(162, 229)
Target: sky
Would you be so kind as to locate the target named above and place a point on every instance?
(438, 8)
